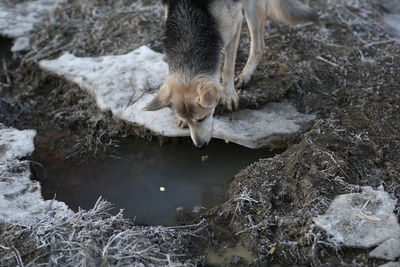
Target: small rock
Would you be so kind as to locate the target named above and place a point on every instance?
(21, 44)
(197, 209)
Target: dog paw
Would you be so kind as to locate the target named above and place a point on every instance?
(242, 80)
(230, 100)
(183, 125)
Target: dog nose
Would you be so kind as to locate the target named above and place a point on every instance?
(200, 144)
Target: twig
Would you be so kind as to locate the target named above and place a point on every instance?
(6, 71)
(329, 62)
(379, 43)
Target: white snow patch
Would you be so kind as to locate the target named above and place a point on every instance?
(392, 18)
(21, 201)
(15, 144)
(393, 23)
(390, 264)
(18, 20)
(363, 220)
(125, 84)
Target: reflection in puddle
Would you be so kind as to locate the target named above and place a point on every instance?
(5, 58)
(228, 255)
(5, 48)
(150, 182)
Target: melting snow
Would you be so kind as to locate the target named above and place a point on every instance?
(125, 84)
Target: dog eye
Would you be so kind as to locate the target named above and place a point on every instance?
(202, 119)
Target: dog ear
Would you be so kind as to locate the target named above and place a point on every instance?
(209, 94)
(166, 10)
(161, 100)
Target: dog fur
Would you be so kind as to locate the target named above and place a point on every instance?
(201, 42)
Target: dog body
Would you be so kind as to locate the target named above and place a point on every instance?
(201, 42)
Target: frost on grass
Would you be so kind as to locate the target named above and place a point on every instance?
(97, 238)
(364, 220)
(125, 84)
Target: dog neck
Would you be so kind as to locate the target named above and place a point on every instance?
(193, 43)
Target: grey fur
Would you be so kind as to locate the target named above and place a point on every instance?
(290, 11)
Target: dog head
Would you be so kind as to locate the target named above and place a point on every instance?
(193, 103)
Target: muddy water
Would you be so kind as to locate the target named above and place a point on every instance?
(150, 182)
(5, 47)
(5, 55)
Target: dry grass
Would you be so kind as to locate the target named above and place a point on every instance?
(97, 238)
(345, 68)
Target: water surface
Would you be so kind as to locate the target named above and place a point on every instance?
(145, 179)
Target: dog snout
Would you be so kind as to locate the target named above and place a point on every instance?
(200, 144)
(201, 133)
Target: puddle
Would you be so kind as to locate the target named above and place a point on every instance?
(150, 182)
(5, 47)
(238, 255)
(5, 56)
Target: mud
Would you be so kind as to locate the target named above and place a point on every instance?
(345, 68)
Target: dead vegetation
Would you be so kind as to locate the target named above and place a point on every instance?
(344, 68)
(97, 238)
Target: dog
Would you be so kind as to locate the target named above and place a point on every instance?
(201, 42)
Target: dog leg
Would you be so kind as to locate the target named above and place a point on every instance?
(256, 14)
(230, 98)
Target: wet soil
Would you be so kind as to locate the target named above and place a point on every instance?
(151, 182)
(345, 68)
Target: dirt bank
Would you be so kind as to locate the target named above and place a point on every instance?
(345, 69)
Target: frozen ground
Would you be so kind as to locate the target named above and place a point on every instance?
(364, 220)
(125, 84)
(344, 68)
(21, 201)
(15, 144)
(17, 20)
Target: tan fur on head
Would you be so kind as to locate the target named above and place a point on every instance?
(181, 95)
(170, 92)
(161, 100)
(209, 94)
(193, 102)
